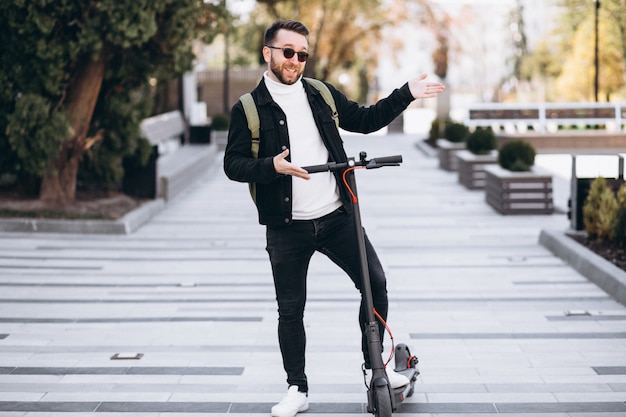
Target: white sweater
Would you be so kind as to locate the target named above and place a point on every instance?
(319, 195)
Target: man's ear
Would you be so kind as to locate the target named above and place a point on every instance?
(267, 54)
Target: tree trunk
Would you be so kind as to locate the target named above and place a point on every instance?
(59, 181)
(443, 104)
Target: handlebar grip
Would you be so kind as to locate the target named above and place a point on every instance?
(395, 159)
(318, 168)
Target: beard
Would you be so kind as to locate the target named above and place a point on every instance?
(283, 75)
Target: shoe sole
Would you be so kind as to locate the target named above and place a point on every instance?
(300, 410)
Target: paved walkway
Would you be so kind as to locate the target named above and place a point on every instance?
(186, 306)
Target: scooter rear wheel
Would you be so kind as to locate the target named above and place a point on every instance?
(383, 402)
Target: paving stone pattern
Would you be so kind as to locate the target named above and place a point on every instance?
(179, 318)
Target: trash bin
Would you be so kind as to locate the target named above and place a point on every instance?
(141, 181)
(200, 134)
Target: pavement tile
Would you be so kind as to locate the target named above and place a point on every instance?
(475, 296)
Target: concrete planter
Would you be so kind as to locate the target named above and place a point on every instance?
(447, 154)
(519, 192)
(472, 168)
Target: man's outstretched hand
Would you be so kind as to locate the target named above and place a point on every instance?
(420, 88)
(282, 166)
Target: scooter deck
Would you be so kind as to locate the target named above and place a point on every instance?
(401, 393)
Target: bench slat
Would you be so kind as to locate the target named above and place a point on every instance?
(162, 127)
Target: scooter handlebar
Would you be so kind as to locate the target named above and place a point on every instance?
(369, 164)
(323, 168)
(385, 160)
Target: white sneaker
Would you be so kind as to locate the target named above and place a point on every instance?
(293, 403)
(396, 380)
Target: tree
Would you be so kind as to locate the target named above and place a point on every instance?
(576, 81)
(438, 22)
(78, 65)
(519, 78)
(568, 56)
(344, 34)
(342, 31)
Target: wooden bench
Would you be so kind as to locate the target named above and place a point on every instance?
(182, 168)
(166, 131)
(178, 165)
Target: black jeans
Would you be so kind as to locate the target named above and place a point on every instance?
(290, 249)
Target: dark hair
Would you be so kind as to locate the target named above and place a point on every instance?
(290, 25)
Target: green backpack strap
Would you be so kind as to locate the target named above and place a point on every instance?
(254, 124)
(326, 95)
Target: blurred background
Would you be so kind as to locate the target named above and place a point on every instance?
(78, 78)
(484, 51)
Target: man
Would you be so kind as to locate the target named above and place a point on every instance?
(304, 214)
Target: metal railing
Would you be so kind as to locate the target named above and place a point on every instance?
(546, 117)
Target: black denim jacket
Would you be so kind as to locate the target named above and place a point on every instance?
(273, 191)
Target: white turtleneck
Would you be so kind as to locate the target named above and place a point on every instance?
(318, 196)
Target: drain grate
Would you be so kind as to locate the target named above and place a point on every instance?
(127, 356)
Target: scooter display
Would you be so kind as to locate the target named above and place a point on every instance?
(382, 400)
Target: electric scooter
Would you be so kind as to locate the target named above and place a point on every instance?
(382, 400)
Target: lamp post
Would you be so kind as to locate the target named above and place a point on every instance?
(226, 87)
(596, 61)
(226, 79)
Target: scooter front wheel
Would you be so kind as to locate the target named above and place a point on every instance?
(382, 399)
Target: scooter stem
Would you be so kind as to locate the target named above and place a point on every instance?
(372, 331)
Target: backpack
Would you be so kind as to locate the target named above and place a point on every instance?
(252, 115)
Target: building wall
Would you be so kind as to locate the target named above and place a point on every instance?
(211, 86)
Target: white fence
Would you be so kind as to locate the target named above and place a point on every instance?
(546, 117)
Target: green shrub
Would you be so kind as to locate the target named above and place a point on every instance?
(220, 121)
(600, 211)
(620, 221)
(435, 131)
(456, 132)
(517, 156)
(36, 133)
(481, 141)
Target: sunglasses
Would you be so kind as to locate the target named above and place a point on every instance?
(289, 53)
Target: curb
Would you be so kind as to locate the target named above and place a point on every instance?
(593, 267)
(126, 225)
(426, 149)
